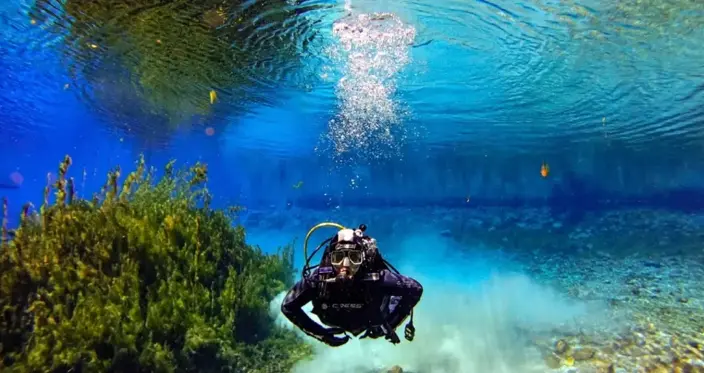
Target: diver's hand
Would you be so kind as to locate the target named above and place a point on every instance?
(331, 340)
(382, 330)
(373, 332)
(392, 337)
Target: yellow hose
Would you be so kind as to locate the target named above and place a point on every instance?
(325, 224)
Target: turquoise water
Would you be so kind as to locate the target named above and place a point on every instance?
(427, 121)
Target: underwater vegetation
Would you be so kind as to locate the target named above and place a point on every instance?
(144, 277)
(166, 60)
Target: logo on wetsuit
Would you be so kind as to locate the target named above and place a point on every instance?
(342, 306)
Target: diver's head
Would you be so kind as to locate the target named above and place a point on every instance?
(347, 254)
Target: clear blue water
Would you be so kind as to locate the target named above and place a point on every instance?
(411, 114)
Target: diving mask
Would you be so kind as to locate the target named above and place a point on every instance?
(347, 255)
(346, 259)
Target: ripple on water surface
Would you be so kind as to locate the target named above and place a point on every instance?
(467, 75)
(520, 73)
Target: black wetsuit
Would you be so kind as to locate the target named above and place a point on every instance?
(367, 303)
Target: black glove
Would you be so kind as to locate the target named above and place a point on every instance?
(330, 339)
(373, 332)
(382, 330)
(392, 337)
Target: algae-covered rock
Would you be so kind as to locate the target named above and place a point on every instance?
(552, 361)
(561, 346)
(584, 353)
(145, 277)
(395, 369)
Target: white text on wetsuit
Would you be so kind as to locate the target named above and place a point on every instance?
(343, 305)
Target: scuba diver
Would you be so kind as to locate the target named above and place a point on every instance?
(353, 290)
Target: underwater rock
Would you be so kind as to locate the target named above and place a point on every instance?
(552, 361)
(561, 346)
(584, 353)
(652, 264)
(395, 369)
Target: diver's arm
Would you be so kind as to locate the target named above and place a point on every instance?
(410, 291)
(292, 307)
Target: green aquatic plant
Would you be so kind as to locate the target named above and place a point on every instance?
(144, 277)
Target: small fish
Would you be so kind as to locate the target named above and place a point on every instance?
(544, 169)
(298, 185)
(213, 97)
(8, 186)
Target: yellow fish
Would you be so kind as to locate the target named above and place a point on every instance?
(544, 170)
(298, 185)
(213, 97)
(569, 361)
